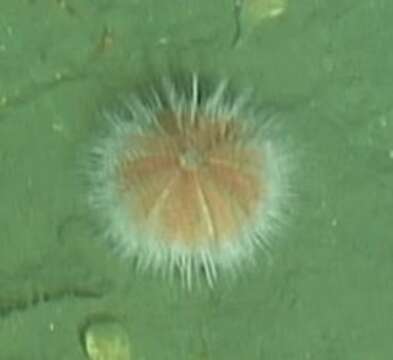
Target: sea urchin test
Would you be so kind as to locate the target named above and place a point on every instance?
(188, 181)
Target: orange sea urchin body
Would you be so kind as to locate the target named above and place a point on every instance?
(188, 184)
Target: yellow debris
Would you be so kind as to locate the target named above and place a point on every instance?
(107, 341)
(257, 10)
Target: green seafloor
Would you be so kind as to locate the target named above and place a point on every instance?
(326, 65)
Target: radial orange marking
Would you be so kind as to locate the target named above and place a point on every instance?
(192, 185)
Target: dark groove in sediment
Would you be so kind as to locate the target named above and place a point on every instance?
(19, 303)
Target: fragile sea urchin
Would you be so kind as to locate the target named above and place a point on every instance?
(188, 180)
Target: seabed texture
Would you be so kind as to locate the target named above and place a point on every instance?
(324, 64)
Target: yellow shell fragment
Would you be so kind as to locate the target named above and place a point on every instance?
(107, 341)
(262, 9)
(252, 12)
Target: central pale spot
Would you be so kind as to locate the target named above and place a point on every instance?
(191, 159)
